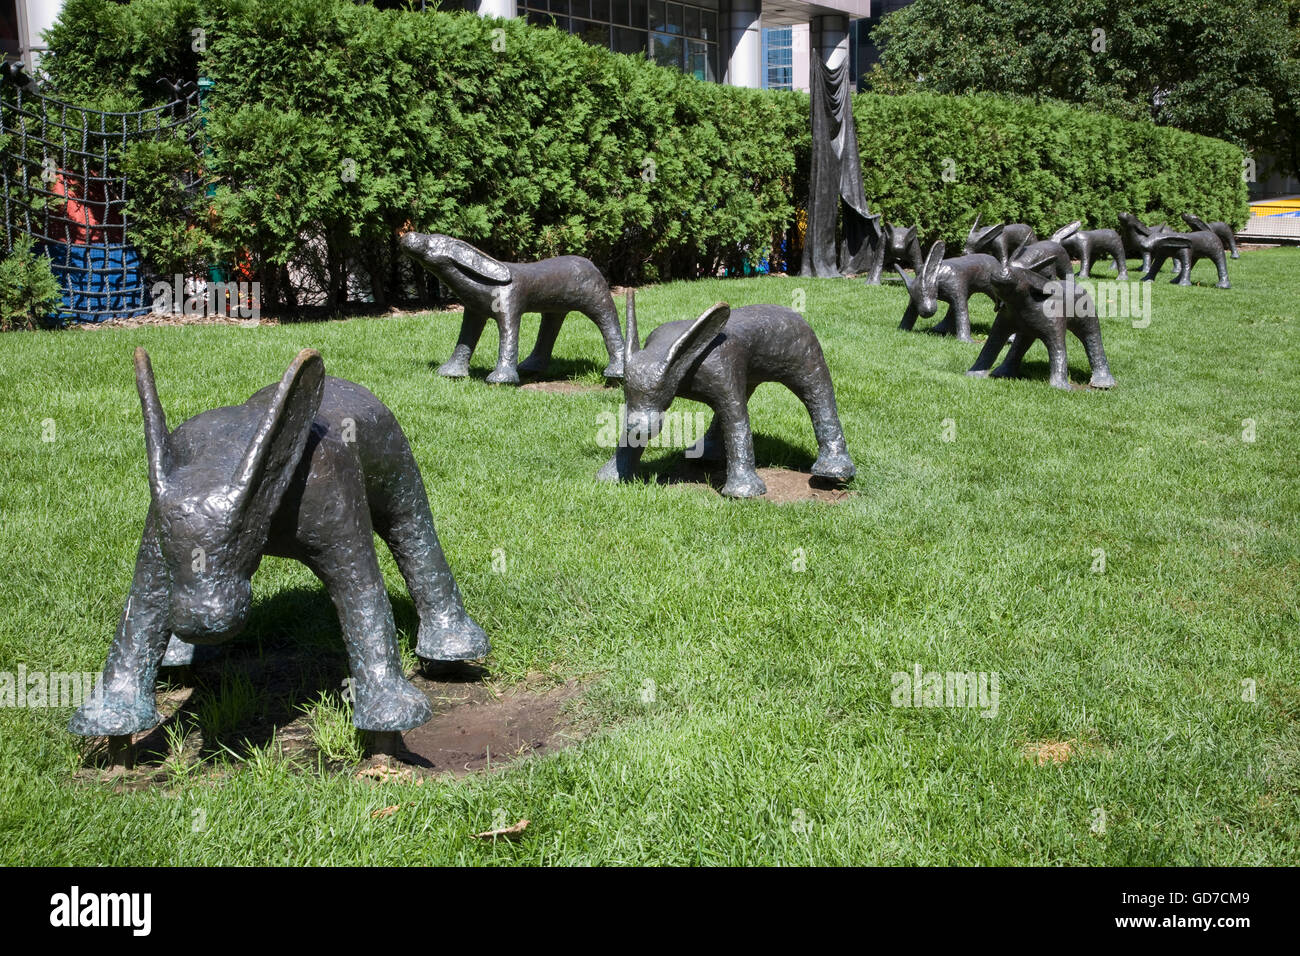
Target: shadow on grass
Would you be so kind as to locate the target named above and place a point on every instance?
(241, 696)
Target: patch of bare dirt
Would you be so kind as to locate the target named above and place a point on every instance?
(1051, 751)
(478, 730)
(784, 485)
(477, 725)
(562, 388)
(159, 319)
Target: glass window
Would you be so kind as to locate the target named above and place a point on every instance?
(538, 19)
(618, 12)
(692, 21)
(674, 18)
(708, 25)
(560, 7)
(600, 11)
(597, 34)
(580, 8)
(639, 14)
(629, 41)
(658, 15)
(666, 50)
(698, 63)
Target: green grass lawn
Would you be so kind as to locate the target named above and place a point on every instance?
(769, 736)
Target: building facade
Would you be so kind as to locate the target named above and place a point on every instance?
(753, 43)
(717, 40)
(21, 25)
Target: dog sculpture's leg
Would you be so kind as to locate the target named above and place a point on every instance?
(1010, 366)
(814, 389)
(1087, 329)
(403, 520)
(998, 335)
(342, 554)
(1221, 264)
(123, 701)
(540, 358)
(742, 478)
(471, 328)
(909, 318)
(605, 315)
(507, 372)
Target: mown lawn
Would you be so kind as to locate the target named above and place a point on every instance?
(742, 708)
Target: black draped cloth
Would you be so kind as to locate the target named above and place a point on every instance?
(835, 180)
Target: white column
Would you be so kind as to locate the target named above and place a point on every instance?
(830, 39)
(35, 17)
(504, 9)
(745, 41)
(800, 42)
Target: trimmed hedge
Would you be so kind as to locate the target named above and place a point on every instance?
(1044, 165)
(331, 123)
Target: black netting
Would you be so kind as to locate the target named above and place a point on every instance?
(61, 183)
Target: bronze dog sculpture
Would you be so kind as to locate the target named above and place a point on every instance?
(308, 469)
(719, 359)
(504, 291)
(1038, 305)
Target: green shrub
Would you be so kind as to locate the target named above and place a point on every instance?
(331, 123)
(29, 293)
(1044, 165)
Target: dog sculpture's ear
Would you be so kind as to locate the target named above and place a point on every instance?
(155, 425)
(468, 259)
(974, 229)
(1019, 250)
(1066, 231)
(1197, 223)
(907, 282)
(1171, 242)
(277, 447)
(929, 276)
(1039, 271)
(1137, 226)
(692, 343)
(910, 235)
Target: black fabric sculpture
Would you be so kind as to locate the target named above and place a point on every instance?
(719, 359)
(947, 280)
(835, 181)
(309, 468)
(504, 291)
(1038, 305)
(1091, 244)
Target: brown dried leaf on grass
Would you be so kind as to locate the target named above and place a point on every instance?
(508, 833)
(1052, 751)
(385, 772)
